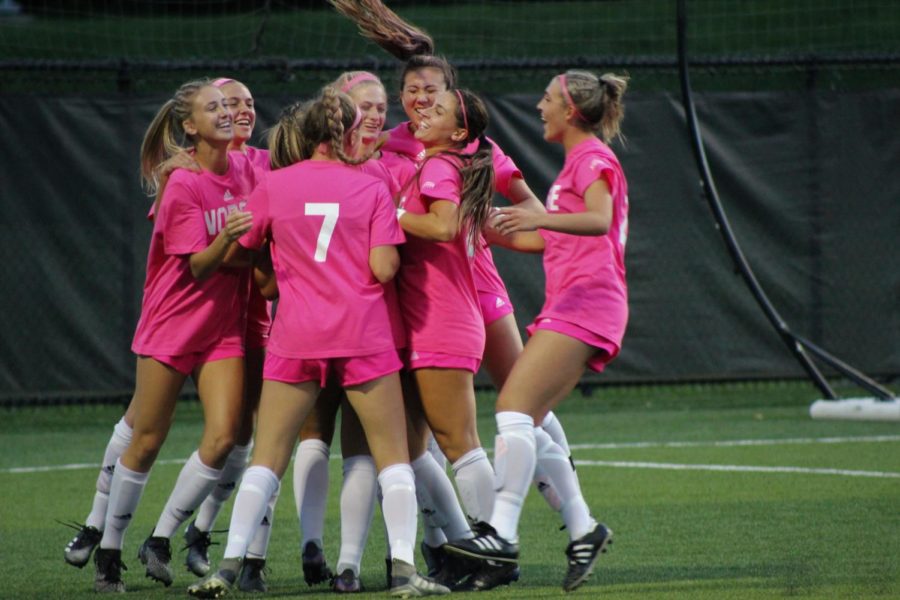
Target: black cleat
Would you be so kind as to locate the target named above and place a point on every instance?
(108, 578)
(253, 575)
(487, 545)
(583, 554)
(315, 569)
(216, 585)
(434, 558)
(491, 574)
(347, 583)
(78, 550)
(197, 544)
(156, 554)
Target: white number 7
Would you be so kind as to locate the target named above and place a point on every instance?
(330, 211)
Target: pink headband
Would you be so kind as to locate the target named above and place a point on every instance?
(221, 81)
(568, 97)
(462, 106)
(357, 79)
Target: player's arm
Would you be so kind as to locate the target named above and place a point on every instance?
(264, 273)
(384, 262)
(204, 263)
(595, 220)
(439, 224)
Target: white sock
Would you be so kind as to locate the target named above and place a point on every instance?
(398, 484)
(554, 429)
(124, 495)
(436, 453)
(118, 441)
(475, 482)
(311, 489)
(555, 463)
(437, 499)
(257, 487)
(225, 486)
(357, 506)
(514, 460)
(433, 535)
(192, 487)
(259, 545)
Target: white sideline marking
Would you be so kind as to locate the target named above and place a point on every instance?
(729, 443)
(733, 468)
(76, 466)
(610, 446)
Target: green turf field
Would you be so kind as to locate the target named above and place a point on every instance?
(713, 491)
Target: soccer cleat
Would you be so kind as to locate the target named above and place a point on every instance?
(583, 554)
(487, 545)
(253, 575)
(108, 578)
(454, 570)
(197, 544)
(315, 570)
(217, 584)
(78, 551)
(347, 582)
(155, 554)
(434, 558)
(491, 574)
(407, 583)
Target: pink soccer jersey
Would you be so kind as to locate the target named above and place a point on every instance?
(323, 218)
(259, 157)
(179, 314)
(259, 321)
(585, 275)
(402, 153)
(437, 290)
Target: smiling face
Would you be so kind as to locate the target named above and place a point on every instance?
(420, 87)
(554, 112)
(210, 118)
(371, 99)
(243, 112)
(438, 126)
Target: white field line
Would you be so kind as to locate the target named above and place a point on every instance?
(730, 443)
(732, 468)
(609, 446)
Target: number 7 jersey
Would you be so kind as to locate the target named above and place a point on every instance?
(323, 217)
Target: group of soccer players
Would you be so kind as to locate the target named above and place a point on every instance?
(374, 247)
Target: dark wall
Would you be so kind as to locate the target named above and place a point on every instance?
(809, 181)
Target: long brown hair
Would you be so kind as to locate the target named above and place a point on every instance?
(477, 168)
(165, 136)
(398, 37)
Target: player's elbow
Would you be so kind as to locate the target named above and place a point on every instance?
(384, 262)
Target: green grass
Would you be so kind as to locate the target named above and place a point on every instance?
(685, 534)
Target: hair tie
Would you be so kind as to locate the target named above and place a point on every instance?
(568, 97)
(357, 79)
(462, 106)
(221, 81)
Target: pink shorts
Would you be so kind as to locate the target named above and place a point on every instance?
(423, 360)
(494, 306)
(353, 370)
(606, 350)
(229, 347)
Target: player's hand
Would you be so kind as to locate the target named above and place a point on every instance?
(183, 160)
(237, 224)
(510, 219)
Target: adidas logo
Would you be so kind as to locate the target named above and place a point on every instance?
(227, 197)
(500, 303)
(125, 517)
(109, 469)
(414, 355)
(427, 185)
(227, 486)
(420, 156)
(265, 522)
(546, 321)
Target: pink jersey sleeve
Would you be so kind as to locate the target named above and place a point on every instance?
(384, 229)
(590, 169)
(439, 179)
(505, 170)
(181, 217)
(258, 204)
